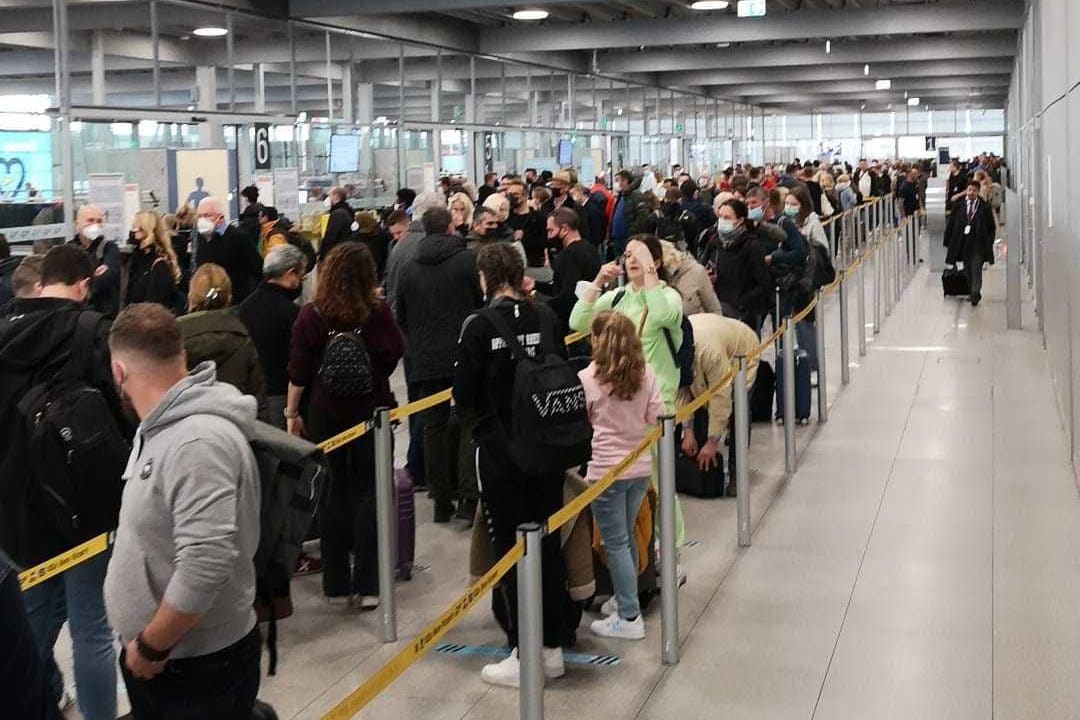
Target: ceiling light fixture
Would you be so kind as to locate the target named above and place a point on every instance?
(883, 84)
(828, 47)
(211, 31)
(723, 45)
(905, 94)
(913, 102)
(866, 69)
(531, 14)
(710, 5)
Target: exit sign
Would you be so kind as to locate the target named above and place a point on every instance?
(751, 8)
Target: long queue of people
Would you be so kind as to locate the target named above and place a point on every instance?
(473, 296)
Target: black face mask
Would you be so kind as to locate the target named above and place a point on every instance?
(294, 293)
(131, 239)
(516, 201)
(556, 192)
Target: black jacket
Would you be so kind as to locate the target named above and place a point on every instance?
(234, 251)
(268, 314)
(484, 372)
(583, 218)
(596, 212)
(976, 246)
(579, 261)
(104, 288)
(7, 289)
(248, 222)
(437, 290)
(34, 345)
(533, 226)
(338, 228)
(742, 282)
(150, 279)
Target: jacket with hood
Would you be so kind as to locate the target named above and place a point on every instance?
(189, 521)
(35, 344)
(437, 291)
(104, 288)
(742, 281)
(690, 278)
(338, 228)
(221, 336)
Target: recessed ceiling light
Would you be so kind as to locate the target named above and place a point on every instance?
(883, 84)
(723, 45)
(866, 69)
(828, 47)
(211, 31)
(530, 14)
(710, 5)
(913, 101)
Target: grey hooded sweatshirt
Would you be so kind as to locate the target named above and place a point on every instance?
(189, 519)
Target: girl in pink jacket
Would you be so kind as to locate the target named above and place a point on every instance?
(624, 401)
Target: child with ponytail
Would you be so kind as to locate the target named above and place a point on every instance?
(624, 400)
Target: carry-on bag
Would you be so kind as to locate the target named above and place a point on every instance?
(802, 389)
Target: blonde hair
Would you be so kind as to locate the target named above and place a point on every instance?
(210, 289)
(157, 233)
(498, 203)
(464, 200)
(617, 354)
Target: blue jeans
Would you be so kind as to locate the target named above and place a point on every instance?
(616, 511)
(77, 596)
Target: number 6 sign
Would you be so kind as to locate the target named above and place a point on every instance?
(262, 146)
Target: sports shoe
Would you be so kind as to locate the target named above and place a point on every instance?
(307, 565)
(610, 606)
(507, 673)
(614, 626)
(369, 602)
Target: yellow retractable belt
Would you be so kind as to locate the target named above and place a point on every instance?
(64, 561)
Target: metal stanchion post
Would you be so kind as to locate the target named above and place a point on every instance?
(845, 337)
(822, 357)
(776, 325)
(530, 624)
(385, 521)
(879, 273)
(669, 581)
(861, 306)
(742, 455)
(832, 239)
(789, 396)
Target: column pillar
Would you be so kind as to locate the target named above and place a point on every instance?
(206, 91)
(259, 73)
(348, 104)
(97, 67)
(365, 103)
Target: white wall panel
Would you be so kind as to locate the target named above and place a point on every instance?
(1051, 50)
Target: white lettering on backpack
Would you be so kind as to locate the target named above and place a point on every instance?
(565, 401)
(529, 341)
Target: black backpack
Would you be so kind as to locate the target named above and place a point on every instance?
(682, 355)
(74, 451)
(346, 369)
(291, 478)
(669, 228)
(304, 245)
(550, 429)
(824, 271)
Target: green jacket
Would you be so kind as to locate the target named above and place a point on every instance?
(219, 335)
(665, 311)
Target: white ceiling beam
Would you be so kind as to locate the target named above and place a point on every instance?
(945, 16)
(828, 73)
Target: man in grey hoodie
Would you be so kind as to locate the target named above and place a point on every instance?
(181, 581)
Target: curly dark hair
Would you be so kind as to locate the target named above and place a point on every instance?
(348, 286)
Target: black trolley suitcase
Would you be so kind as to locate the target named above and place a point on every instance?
(954, 282)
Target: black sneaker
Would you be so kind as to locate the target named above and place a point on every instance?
(975, 299)
(444, 513)
(466, 514)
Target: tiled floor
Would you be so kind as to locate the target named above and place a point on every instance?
(920, 564)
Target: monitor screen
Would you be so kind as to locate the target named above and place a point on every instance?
(566, 153)
(344, 153)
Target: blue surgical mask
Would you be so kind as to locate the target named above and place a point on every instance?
(756, 214)
(791, 211)
(725, 226)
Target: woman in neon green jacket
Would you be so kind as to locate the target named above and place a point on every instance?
(656, 311)
(653, 307)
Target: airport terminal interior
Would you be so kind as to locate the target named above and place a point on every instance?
(909, 551)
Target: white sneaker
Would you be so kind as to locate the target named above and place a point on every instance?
(508, 672)
(610, 606)
(614, 626)
(553, 663)
(369, 602)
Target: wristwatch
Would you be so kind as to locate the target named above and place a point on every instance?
(150, 653)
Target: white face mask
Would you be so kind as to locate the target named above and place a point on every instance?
(204, 226)
(725, 226)
(92, 232)
(327, 203)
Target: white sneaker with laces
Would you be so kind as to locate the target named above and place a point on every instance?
(610, 606)
(614, 626)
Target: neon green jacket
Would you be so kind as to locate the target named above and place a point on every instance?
(665, 312)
